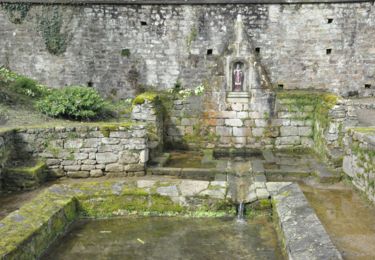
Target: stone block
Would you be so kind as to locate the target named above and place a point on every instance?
(114, 167)
(261, 122)
(78, 174)
(119, 134)
(134, 167)
(106, 158)
(241, 131)
(80, 156)
(129, 157)
(258, 132)
(91, 143)
(107, 140)
(289, 131)
(224, 131)
(72, 167)
(305, 131)
(233, 122)
(96, 173)
(73, 144)
(288, 140)
(170, 191)
(87, 167)
(192, 188)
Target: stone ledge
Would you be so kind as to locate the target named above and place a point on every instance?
(180, 2)
(294, 215)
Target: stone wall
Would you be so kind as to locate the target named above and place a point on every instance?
(281, 120)
(117, 48)
(87, 151)
(359, 159)
(150, 113)
(6, 149)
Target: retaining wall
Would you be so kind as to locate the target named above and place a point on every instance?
(118, 48)
(359, 159)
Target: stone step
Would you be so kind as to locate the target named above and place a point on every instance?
(25, 177)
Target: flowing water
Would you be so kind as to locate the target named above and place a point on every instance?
(169, 238)
(348, 219)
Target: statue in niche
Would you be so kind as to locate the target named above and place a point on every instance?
(238, 77)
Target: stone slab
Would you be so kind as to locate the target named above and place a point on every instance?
(294, 216)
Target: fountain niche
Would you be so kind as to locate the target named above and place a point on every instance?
(242, 68)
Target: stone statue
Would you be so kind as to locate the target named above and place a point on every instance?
(238, 77)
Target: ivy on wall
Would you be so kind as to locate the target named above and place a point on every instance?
(50, 25)
(17, 12)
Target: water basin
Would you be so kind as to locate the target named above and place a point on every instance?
(169, 238)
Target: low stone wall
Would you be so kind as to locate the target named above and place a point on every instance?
(303, 235)
(6, 150)
(87, 151)
(284, 120)
(150, 113)
(359, 159)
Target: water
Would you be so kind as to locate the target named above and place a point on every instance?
(169, 238)
(240, 211)
(348, 219)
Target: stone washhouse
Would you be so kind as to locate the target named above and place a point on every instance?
(258, 79)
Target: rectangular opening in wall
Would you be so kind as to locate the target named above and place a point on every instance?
(143, 23)
(280, 86)
(330, 20)
(257, 50)
(367, 86)
(328, 51)
(209, 51)
(90, 84)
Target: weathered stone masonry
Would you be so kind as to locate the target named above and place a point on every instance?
(359, 160)
(116, 48)
(80, 152)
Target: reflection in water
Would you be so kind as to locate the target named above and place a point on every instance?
(349, 220)
(169, 238)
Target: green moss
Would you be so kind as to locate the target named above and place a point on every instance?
(125, 53)
(265, 203)
(365, 130)
(149, 96)
(32, 170)
(106, 129)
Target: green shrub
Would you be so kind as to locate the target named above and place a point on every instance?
(28, 87)
(73, 102)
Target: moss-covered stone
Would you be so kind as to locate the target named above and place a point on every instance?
(25, 177)
(149, 96)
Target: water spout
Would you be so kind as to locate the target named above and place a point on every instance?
(241, 211)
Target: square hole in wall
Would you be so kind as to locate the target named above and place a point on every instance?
(330, 20)
(209, 51)
(353, 93)
(143, 23)
(90, 84)
(328, 51)
(367, 86)
(257, 50)
(280, 86)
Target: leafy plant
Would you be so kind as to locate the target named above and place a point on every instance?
(50, 26)
(7, 75)
(28, 87)
(74, 102)
(17, 12)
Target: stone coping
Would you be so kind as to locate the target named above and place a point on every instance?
(180, 2)
(304, 236)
